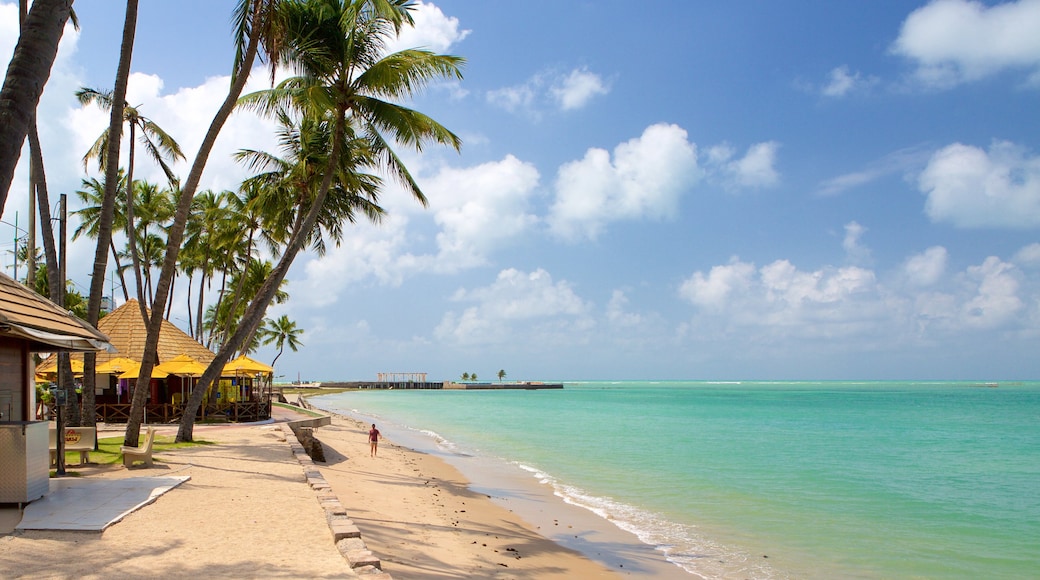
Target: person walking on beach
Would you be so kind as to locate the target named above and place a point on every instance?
(373, 439)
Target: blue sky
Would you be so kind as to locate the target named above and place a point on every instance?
(680, 190)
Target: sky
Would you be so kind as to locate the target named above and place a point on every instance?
(658, 190)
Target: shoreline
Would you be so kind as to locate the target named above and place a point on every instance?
(479, 504)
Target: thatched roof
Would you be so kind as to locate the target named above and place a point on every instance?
(47, 327)
(127, 332)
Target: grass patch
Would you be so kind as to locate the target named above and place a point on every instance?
(108, 449)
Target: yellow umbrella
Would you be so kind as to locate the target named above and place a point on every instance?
(116, 366)
(50, 366)
(245, 365)
(135, 372)
(182, 365)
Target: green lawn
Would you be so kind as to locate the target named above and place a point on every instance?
(108, 449)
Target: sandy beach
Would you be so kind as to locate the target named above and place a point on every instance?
(247, 511)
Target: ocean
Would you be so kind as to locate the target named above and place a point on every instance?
(760, 479)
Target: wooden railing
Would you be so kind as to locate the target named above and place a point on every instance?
(238, 412)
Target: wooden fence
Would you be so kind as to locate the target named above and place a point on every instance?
(238, 412)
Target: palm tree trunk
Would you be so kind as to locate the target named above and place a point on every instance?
(131, 233)
(180, 220)
(55, 285)
(27, 73)
(119, 270)
(115, 134)
(258, 306)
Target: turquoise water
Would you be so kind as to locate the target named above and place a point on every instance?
(770, 479)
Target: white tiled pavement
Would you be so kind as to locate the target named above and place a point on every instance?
(93, 505)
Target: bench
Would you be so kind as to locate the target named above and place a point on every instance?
(142, 453)
(80, 439)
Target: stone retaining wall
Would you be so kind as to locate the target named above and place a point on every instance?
(345, 534)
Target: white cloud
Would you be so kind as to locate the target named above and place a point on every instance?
(996, 301)
(617, 315)
(956, 41)
(575, 90)
(856, 252)
(644, 179)
(899, 161)
(513, 99)
(842, 82)
(777, 302)
(926, 269)
(717, 288)
(756, 169)
(516, 301)
(1028, 256)
(972, 188)
(479, 209)
(432, 31)
(562, 91)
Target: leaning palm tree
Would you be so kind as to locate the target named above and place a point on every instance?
(282, 332)
(256, 33)
(347, 83)
(27, 74)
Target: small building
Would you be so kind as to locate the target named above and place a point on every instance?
(30, 323)
(242, 393)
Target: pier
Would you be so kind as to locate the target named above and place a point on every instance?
(419, 381)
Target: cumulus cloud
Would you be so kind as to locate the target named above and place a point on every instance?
(996, 300)
(550, 89)
(856, 252)
(778, 301)
(756, 169)
(479, 209)
(778, 297)
(432, 31)
(925, 269)
(576, 89)
(972, 188)
(644, 178)
(957, 41)
(515, 300)
(841, 82)
(476, 210)
(1028, 256)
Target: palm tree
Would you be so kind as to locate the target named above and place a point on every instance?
(501, 375)
(254, 28)
(160, 147)
(91, 195)
(97, 281)
(282, 332)
(465, 376)
(339, 46)
(27, 74)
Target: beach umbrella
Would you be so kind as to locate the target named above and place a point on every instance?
(116, 366)
(244, 365)
(135, 372)
(49, 367)
(182, 365)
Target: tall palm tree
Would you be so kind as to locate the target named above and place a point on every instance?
(255, 30)
(27, 74)
(115, 132)
(282, 332)
(349, 83)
